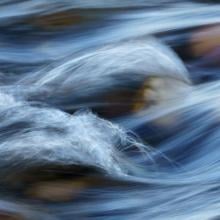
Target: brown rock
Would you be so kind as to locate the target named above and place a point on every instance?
(205, 39)
(56, 191)
(10, 216)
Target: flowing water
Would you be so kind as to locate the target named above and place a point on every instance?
(109, 110)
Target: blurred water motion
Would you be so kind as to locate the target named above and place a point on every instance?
(109, 110)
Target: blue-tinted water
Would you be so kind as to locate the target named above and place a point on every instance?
(109, 110)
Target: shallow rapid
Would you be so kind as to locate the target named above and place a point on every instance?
(109, 110)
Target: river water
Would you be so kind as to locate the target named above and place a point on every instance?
(109, 110)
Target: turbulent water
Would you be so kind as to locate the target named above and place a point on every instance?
(109, 110)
